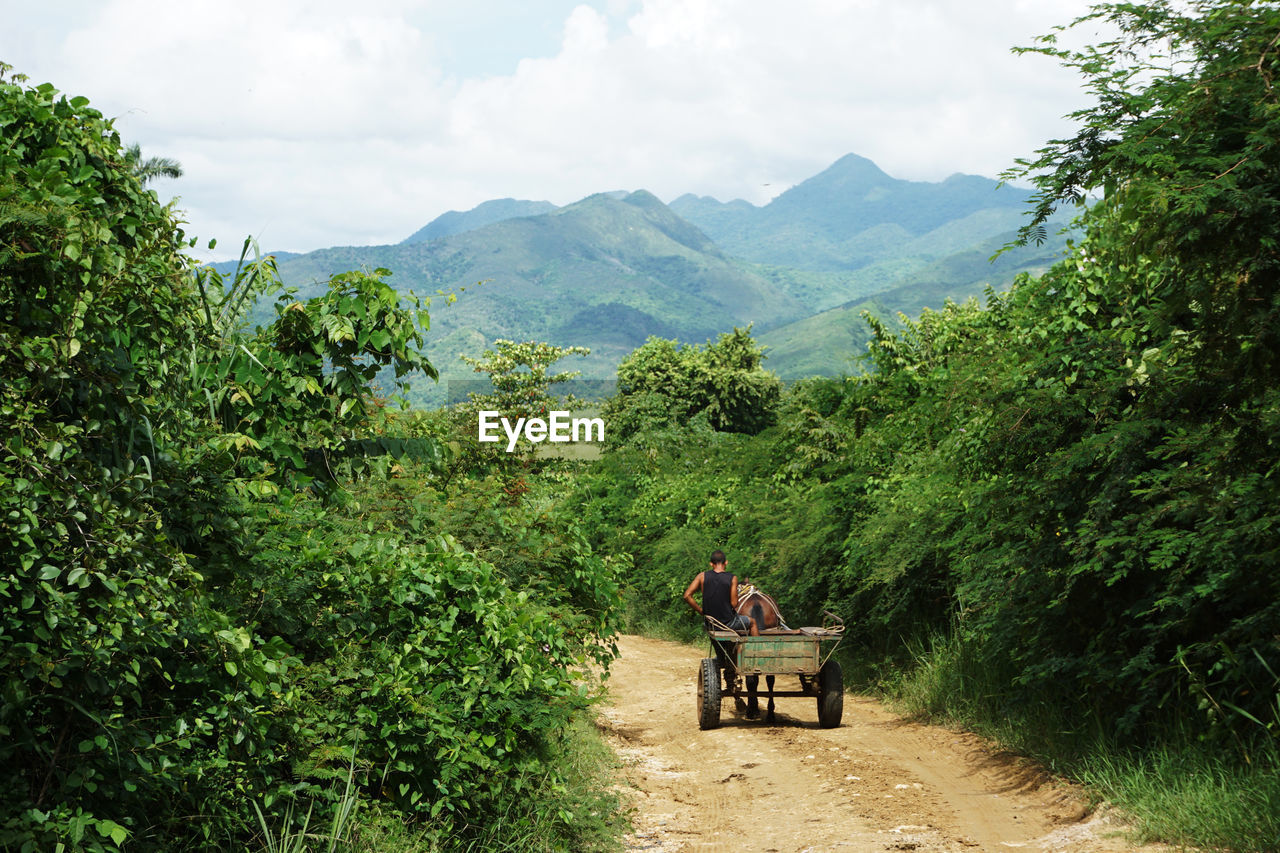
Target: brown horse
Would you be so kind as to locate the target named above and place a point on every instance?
(763, 612)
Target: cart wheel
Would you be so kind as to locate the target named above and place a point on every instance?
(708, 694)
(830, 695)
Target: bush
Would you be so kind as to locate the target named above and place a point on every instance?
(187, 629)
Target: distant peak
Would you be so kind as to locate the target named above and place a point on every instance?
(849, 178)
(644, 198)
(852, 166)
(962, 178)
(854, 160)
(485, 213)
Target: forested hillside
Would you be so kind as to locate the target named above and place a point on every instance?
(605, 272)
(1054, 515)
(852, 215)
(611, 270)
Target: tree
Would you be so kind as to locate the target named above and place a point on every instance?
(519, 380)
(1160, 339)
(151, 168)
(519, 377)
(136, 417)
(105, 641)
(1184, 144)
(666, 383)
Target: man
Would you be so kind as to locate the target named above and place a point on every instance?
(719, 595)
(720, 600)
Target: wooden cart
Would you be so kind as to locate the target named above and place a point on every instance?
(802, 652)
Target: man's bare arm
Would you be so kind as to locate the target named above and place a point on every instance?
(694, 586)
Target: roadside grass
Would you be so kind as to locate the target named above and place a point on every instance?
(290, 840)
(574, 808)
(689, 632)
(1181, 790)
(1186, 794)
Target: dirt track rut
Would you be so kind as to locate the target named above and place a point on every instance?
(876, 783)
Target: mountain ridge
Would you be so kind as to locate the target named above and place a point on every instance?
(485, 213)
(830, 211)
(613, 268)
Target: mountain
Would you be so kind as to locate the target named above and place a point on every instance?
(456, 222)
(605, 272)
(616, 267)
(850, 215)
(826, 343)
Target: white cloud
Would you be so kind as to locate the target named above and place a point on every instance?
(322, 123)
(288, 70)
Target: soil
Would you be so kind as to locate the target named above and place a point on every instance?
(878, 782)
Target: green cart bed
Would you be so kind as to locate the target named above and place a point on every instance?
(801, 652)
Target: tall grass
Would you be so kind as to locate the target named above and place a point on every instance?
(575, 807)
(1187, 794)
(336, 840)
(1182, 790)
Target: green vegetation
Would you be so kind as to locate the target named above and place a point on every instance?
(241, 604)
(518, 386)
(244, 604)
(1052, 516)
(664, 384)
(604, 273)
(632, 267)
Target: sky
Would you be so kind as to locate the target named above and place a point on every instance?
(315, 123)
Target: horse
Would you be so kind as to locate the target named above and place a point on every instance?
(764, 614)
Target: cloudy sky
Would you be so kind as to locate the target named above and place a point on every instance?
(311, 123)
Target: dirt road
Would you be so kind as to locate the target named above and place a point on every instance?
(876, 783)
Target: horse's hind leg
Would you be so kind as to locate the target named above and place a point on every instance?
(753, 702)
(769, 681)
(731, 689)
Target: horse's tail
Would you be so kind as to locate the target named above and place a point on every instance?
(757, 615)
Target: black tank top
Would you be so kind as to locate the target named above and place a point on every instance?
(716, 602)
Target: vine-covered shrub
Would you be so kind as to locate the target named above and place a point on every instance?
(186, 630)
(437, 674)
(668, 383)
(108, 654)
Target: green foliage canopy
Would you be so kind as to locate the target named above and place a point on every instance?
(184, 629)
(1184, 143)
(1077, 481)
(670, 383)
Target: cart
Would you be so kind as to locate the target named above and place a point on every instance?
(802, 652)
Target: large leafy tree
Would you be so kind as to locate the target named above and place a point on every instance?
(103, 645)
(1183, 143)
(665, 382)
(136, 415)
(1102, 496)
